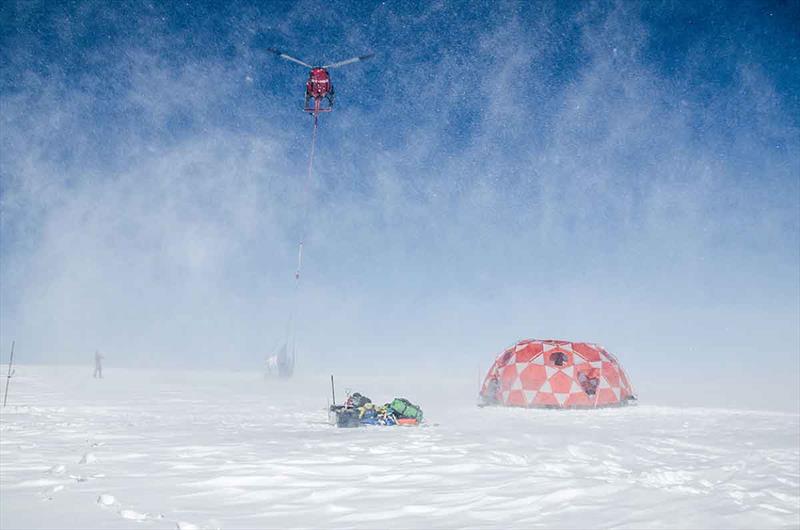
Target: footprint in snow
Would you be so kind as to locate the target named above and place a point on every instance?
(109, 501)
(57, 470)
(134, 515)
(48, 495)
(106, 500)
(88, 458)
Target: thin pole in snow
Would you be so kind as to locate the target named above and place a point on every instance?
(333, 391)
(8, 377)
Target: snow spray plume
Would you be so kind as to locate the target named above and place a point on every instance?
(597, 171)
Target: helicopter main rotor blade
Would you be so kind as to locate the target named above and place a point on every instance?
(288, 57)
(349, 61)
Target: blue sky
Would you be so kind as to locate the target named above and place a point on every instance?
(617, 172)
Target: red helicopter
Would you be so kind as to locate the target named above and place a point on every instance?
(319, 86)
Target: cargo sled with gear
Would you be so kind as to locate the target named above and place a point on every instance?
(359, 410)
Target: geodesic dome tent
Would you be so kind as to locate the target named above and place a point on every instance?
(556, 374)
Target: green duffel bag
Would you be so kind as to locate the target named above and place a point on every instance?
(403, 408)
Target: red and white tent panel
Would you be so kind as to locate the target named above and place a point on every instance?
(556, 374)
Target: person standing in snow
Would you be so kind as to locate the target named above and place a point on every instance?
(492, 395)
(98, 364)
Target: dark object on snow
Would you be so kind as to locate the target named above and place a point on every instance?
(403, 408)
(347, 418)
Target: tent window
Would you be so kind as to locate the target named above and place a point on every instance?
(589, 381)
(559, 358)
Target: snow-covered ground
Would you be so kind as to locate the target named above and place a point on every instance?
(142, 449)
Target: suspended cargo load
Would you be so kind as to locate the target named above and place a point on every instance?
(281, 363)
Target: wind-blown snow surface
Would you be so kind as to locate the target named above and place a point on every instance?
(142, 449)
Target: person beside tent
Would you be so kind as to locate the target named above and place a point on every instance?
(492, 394)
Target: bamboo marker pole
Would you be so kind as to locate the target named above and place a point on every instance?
(8, 377)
